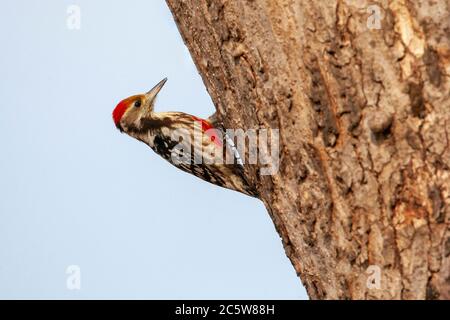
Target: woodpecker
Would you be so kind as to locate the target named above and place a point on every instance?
(192, 144)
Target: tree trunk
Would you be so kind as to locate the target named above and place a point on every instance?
(361, 95)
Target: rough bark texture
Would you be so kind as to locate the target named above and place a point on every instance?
(364, 118)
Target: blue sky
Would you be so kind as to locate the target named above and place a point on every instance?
(74, 191)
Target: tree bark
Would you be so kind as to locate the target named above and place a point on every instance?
(363, 112)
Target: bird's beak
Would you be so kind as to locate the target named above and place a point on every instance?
(151, 95)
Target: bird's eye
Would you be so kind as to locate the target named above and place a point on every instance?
(137, 103)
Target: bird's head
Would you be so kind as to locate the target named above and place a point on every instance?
(130, 110)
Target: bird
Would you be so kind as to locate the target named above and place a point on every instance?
(195, 145)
